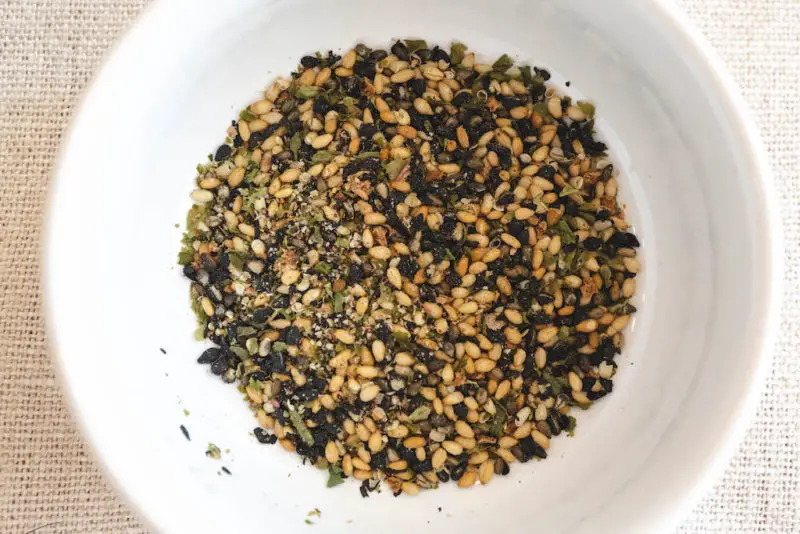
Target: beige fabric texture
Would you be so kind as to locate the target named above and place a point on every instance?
(48, 52)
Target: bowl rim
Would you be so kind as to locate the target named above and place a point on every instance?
(743, 413)
(731, 99)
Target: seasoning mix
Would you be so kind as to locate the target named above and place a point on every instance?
(412, 264)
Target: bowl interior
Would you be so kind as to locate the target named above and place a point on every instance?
(115, 294)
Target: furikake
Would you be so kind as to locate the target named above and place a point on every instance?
(414, 265)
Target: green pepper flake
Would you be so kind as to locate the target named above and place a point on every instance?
(246, 115)
(254, 385)
(294, 144)
(186, 412)
(335, 476)
(503, 63)
(394, 167)
(415, 44)
(307, 91)
(541, 109)
(565, 232)
(554, 383)
(571, 427)
(244, 331)
(236, 261)
(420, 414)
(457, 51)
(251, 173)
(240, 353)
(618, 306)
(309, 522)
(196, 215)
(365, 155)
(525, 73)
(498, 425)
(569, 190)
(323, 156)
(213, 451)
(338, 302)
(322, 267)
(587, 108)
(301, 428)
(279, 346)
(185, 256)
(605, 274)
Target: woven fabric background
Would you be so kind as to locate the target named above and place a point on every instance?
(48, 52)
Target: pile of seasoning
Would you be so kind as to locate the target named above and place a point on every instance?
(413, 264)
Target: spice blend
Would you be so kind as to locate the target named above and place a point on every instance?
(413, 264)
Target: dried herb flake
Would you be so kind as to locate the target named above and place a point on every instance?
(457, 51)
(415, 44)
(503, 63)
(307, 91)
(335, 476)
(301, 428)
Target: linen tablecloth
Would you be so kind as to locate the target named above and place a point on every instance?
(48, 53)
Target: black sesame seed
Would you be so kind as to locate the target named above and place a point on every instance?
(309, 61)
(367, 131)
(377, 55)
(262, 315)
(291, 335)
(624, 239)
(457, 471)
(452, 278)
(400, 50)
(437, 54)
(461, 410)
(209, 355)
(222, 153)
(355, 272)
(423, 53)
(219, 366)
(546, 171)
(505, 200)
(462, 98)
(602, 215)
(407, 266)
(365, 68)
(190, 272)
(592, 243)
(263, 437)
(545, 74)
(383, 332)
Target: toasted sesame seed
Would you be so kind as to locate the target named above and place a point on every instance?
(368, 392)
(468, 480)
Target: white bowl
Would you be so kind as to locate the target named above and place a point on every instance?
(692, 173)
